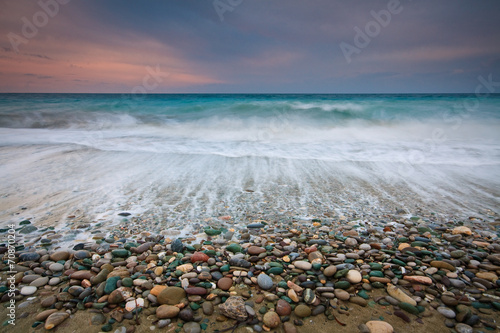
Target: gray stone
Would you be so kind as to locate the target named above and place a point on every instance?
(447, 312)
(192, 327)
(56, 267)
(264, 281)
(463, 328)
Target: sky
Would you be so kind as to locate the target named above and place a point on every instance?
(248, 46)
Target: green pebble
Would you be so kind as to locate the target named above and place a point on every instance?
(204, 326)
(111, 284)
(342, 284)
(225, 268)
(107, 328)
(275, 270)
(194, 306)
(377, 273)
(275, 264)
(409, 308)
(398, 262)
(376, 266)
(127, 282)
(263, 310)
(363, 294)
(341, 273)
(316, 266)
(212, 232)
(281, 284)
(99, 305)
(235, 248)
(122, 253)
(479, 305)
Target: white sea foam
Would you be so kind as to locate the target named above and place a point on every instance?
(295, 156)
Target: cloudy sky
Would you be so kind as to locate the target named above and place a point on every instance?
(248, 46)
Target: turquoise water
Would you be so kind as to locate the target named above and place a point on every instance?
(296, 153)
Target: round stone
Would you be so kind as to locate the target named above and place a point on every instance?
(208, 308)
(256, 250)
(192, 327)
(302, 311)
(167, 311)
(56, 267)
(304, 265)
(225, 283)
(283, 308)
(171, 295)
(186, 314)
(264, 281)
(49, 301)
(377, 326)
(353, 276)
(365, 247)
(271, 319)
(463, 328)
(447, 312)
(342, 294)
(82, 254)
(289, 328)
(28, 290)
(59, 255)
(330, 271)
(351, 242)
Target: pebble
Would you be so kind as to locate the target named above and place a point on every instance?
(304, 265)
(414, 261)
(264, 281)
(302, 311)
(463, 328)
(446, 312)
(376, 326)
(353, 276)
(55, 319)
(40, 282)
(167, 311)
(283, 308)
(56, 267)
(28, 290)
(271, 319)
(192, 327)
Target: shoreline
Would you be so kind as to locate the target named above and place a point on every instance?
(334, 267)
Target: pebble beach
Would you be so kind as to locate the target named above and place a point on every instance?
(391, 272)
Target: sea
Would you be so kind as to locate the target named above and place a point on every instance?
(189, 158)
